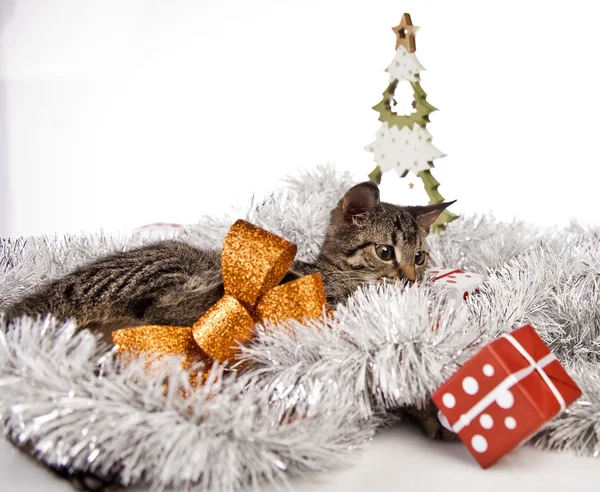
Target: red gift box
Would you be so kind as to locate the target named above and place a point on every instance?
(504, 394)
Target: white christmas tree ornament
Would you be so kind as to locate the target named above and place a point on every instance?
(404, 66)
(403, 149)
(402, 143)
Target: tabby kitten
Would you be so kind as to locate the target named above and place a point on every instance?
(173, 283)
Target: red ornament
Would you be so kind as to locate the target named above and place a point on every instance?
(460, 282)
(503, 395)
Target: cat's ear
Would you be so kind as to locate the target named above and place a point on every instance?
(359, 201)
(427, 215)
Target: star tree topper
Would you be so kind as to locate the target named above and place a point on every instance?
(405, 34)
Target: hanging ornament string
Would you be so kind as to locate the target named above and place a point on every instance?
(253, 262)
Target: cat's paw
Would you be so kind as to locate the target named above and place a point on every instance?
(427, 420)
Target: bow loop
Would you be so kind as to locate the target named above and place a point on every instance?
(301, 298)
(253, 261)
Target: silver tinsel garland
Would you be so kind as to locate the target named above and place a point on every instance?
(314, 392)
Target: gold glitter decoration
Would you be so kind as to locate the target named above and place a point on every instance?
(156, 339)
(295, 300)
(253, 262)
(224, 323)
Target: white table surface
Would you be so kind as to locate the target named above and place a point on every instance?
(399, 458)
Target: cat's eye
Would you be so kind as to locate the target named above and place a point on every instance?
(385, 252)
(420, 257)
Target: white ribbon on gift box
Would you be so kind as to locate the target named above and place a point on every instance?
(466, 418)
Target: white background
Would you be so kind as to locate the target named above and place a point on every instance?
(119, 113)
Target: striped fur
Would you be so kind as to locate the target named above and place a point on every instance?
(174, 283)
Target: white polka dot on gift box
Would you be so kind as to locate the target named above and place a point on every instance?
(470, 385)
(479, 443)
(449, 400)
(486, 421)
(488, 370)
(505, 399)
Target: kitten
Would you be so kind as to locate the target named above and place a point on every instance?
(173, 283)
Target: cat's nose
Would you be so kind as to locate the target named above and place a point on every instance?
(408, 271)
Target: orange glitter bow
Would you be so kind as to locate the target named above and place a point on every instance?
(253, 262)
